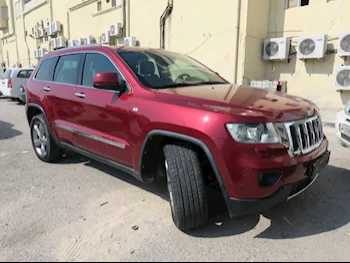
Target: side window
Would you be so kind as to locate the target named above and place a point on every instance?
(67, 69)
(24, 74)
(96, 63)
(45, 71)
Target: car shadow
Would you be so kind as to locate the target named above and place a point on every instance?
(158, 187)
(323, 208)
(7, 131)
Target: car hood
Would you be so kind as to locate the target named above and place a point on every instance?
(247, 103)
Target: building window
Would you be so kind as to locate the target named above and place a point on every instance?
(18, 9)
(114, 3)
(99, 6)
(296, 3)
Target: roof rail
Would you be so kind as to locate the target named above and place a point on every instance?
(80, 46)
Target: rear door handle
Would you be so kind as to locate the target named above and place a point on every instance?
(46, 88)
(80, 95)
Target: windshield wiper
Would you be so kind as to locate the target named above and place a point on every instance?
(174, 85)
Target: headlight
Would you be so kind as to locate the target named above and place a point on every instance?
(253, 133)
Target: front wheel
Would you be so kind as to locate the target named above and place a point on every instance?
(43, 144)
(186, 187)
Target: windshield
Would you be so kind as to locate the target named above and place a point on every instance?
(158, 69)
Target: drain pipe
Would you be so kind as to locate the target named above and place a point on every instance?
(163, 19)
(238, 26)
(124, 18)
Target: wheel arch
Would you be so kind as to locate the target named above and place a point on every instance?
(34, 109)
(156, 139)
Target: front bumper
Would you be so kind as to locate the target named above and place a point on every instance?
(239, 207)
(342, 119)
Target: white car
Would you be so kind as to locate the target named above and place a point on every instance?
(11, 81)
(343, 126)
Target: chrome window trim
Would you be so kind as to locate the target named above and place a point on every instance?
(91, 136)
(81, 86)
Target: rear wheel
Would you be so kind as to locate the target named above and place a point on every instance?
(186, 187)
(43, 144)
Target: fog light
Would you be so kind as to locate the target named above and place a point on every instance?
(269, 179)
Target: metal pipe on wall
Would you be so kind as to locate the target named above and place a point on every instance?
(124, 18)
(163, 18)
(14, 29)
(238, 26)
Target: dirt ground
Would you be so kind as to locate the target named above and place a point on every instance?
(79, 210)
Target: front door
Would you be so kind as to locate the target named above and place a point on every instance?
(102, 119)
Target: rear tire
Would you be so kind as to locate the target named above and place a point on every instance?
(43, 144)
(186, 187)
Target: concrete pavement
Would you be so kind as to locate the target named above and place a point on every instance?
(79, 210)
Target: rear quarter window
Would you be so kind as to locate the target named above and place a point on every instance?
(24, 74)
(46, 69)
(7, 74)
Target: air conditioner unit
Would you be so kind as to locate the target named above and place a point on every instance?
(105, 38)
(342, 78)
(55, 27)
(41, 32)
(87, 40)
(76, 42)
(49, 31)
(53, 44)
(277, 48)
(312, 47)
(36, 53)
(41, 52)
(115, 30)
(36, 34)
(130, 41)
(61, 42)
(344, 44)
(70, 43)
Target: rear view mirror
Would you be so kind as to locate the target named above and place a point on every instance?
(109, 81)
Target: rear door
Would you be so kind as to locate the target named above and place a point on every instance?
(56, 78)
(61, 98)
(102, 117)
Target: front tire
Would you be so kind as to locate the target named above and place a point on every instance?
(43, 144)
(186, 187)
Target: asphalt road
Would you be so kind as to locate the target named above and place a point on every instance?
(79, 210)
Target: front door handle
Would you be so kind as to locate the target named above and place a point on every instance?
(46, 89)
(80, 95)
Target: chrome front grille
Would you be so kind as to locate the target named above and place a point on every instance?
(302, 137)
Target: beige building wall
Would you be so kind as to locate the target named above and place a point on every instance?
(228, 37)
(205, 31)
(312, 79)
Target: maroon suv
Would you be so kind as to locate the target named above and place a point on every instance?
(152, 113)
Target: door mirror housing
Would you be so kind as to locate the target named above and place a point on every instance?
(109, 81)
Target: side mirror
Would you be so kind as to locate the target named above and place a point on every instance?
(109, 81)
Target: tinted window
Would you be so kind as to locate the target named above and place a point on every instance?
(24, 74)
(46, 68)
(67, 69)
(96, 63)
(7, 74)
